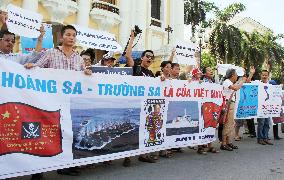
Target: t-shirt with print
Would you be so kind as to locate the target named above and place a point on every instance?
(227, 91)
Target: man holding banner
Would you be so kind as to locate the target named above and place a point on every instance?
(263, 123)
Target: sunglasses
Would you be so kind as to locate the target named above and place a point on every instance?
(150, 56)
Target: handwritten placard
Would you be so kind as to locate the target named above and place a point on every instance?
(185, 53)
(23, 22)
(97, 39)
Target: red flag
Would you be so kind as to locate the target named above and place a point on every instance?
(27, 129)
(211, 113)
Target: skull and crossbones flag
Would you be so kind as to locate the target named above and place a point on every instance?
(29, 130)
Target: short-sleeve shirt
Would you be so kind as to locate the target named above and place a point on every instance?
(56, 59)
(227, 91)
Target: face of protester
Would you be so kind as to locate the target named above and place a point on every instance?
(264, 77)
(108, 62)
(234, 77)
(147, 60)
(69, 37)
(175, 71)
(87, 60)
(167, 69)
(7, 43)
(209, 73)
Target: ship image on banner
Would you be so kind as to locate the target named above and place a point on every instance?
(29, 130)
(104, 127)
(183, 119)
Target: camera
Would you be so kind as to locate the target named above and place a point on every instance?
(137, 30)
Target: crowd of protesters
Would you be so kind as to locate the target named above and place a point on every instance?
(66, 57)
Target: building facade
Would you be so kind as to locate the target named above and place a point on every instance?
(117, 17)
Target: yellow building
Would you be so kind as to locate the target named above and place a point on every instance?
(117, 17)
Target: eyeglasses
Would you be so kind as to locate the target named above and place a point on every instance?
(149, 56)
(8, 40)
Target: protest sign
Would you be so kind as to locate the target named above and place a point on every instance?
(258, 100)
(185, 53)
(222, 69)
(277, 120)
(97, 39)
(29, 44)
(114, 70)
(23, 22)
(52, 119)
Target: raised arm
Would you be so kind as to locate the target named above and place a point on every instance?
(251, 73)
(171, 59)
(128, 55)
(3, 19)
(38, 47)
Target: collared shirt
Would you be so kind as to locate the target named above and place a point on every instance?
(205, 79)
(56, 59)
(22, 58)
(227, 91)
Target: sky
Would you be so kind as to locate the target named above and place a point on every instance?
(269, 13)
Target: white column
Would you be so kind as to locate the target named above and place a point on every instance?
(31, 5)
(125, 25)
(83, 12)
(141, 16)
(177, 19)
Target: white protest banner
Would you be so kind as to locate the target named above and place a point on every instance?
(23, 22)
(222, 69)
(258, 100)
(185, 53)
(52, 119)
(97, 39)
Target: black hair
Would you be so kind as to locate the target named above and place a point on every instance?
(64, 28)
(158, 73)
(6, 32)
(264, 70)
(144, 52)
(175, 65)
(89, 52)
(164, 63)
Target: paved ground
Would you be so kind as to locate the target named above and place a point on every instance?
(251, 161)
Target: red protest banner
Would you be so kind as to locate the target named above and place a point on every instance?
(27, 129)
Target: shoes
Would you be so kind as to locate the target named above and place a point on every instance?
(277, 138)
(226, 147)
(233, 146)
(252, 136)
(238, 138)
(68, 172)
(260, 141)
(146, 159)
(212, 150)
(126, 162)
(38, 176)
(179, 150)
(268, 142)
(201, 151)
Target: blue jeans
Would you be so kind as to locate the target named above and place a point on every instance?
(262, 128)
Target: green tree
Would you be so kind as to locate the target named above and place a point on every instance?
(225, 40)
(208, 60)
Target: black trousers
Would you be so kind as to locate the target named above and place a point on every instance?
(275, 130)
(220, 132)
(251, 127)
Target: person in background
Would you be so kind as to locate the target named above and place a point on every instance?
(230, 87)
(275, 126)
(88, 57)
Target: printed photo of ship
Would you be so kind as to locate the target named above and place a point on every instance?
(104, 126)
(182, 118)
